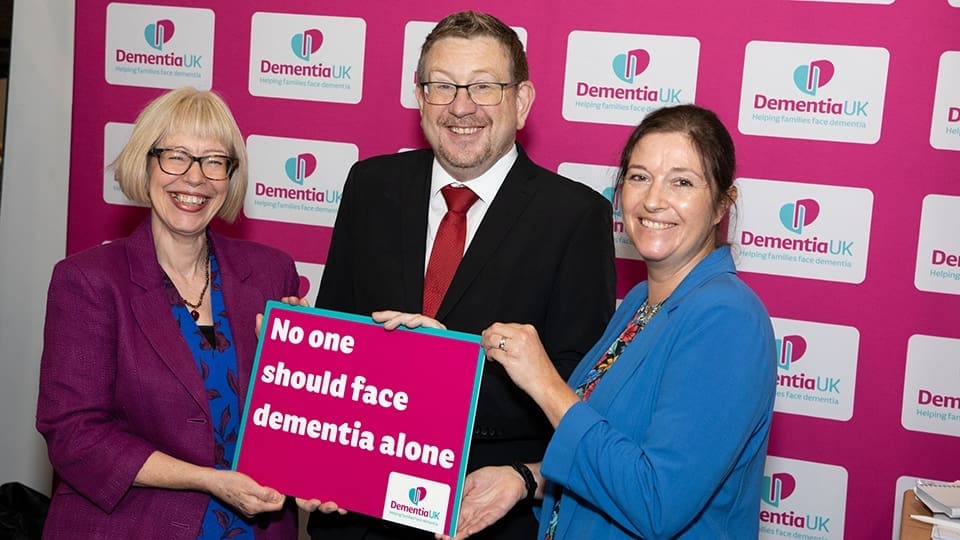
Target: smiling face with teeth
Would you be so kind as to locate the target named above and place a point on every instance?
(184, 205)
(670, 205)
(467, 139)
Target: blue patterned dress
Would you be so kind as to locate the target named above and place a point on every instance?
(592, 378)
(217, 362)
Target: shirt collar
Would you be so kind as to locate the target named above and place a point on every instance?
(485, 186)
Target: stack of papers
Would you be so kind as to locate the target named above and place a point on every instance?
(940, 497)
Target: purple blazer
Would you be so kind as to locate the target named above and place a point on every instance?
(117, 382)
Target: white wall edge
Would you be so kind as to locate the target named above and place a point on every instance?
(33, 219)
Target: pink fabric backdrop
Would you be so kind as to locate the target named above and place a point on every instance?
(900, 169)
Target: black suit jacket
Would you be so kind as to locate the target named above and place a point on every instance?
(543, 255)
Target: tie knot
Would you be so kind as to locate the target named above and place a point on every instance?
(459, 199)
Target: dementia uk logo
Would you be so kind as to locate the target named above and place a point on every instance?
(816, 368)
(627, 67)
(306, 57)
(159, 46)
(417, 494)
(812, 91)
(406, 501)
(776, 487)
(802, 230)
(630, 64)
(158, 33)
(300, 167)
(790, 349)
(810, 77)
(619, 78)
(938, 247)
(306, 43)
(931, 401)
(161, 32)
(945, 127)
(304, 186)
(794, 216)
(801, 499)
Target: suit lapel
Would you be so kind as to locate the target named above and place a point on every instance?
(501, 216)
(152, 313)
(413, 194)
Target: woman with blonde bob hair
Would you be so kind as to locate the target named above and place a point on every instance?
(184, 110)
(149, 343)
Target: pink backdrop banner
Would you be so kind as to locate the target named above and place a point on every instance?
(340, 409)
(844, 118)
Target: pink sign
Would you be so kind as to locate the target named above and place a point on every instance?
(379, 421)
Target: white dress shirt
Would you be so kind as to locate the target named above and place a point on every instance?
(485, 186)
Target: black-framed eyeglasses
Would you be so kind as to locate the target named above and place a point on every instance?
(177, 162)
(482, 93)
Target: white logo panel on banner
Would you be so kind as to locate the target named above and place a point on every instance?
(945, 128)
(802, 230)
(613, 78)
(115, 136)
(413, 36)
(603, 179)
(307, 57)
(802, 499)
(810, 91)
(296, 180)
(938, 249)
(816, 368)
(931, 399)
(159, 46)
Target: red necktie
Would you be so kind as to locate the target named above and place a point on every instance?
(447, 246)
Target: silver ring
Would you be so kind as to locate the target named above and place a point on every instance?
(502, 344)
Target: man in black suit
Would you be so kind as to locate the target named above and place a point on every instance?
(539, 247)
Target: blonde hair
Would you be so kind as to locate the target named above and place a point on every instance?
(199, 113)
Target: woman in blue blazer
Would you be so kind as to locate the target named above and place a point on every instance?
(149, 343)
(662, 431)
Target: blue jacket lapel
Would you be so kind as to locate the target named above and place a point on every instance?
(717, 262)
